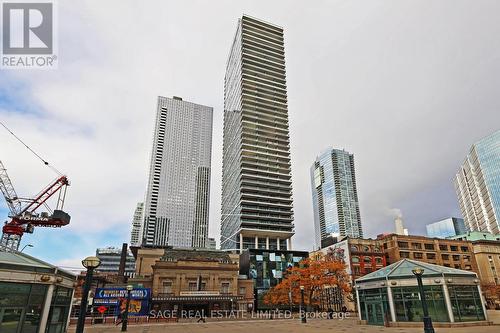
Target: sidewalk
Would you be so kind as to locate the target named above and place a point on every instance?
(494, 316)
(278, 326)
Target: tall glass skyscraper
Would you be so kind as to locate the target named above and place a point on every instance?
(335, 198)
(257, 210)
(477, 184)
(177, 198)
(137, 223)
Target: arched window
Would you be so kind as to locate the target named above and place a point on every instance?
(378, 260)
(354, 248)
(355, 259)
(367, 260)
(366, 248)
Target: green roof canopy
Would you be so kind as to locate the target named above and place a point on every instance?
(403, 269)
(22, 262)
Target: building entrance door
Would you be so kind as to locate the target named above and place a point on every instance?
(11, 319)
(375, 313)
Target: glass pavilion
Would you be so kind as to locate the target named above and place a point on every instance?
(391, 294)
(35, 297)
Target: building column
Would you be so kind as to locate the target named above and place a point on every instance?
(391, 304)
(178, 285)
(357, 301)
(278, 241)
(483, 302)
(256, 242)
(267, 243)
(216, 282)
(46, 309)
(241, 243)
(289, 241)
(447, 301)
(69, 312)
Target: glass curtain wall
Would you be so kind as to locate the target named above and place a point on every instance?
(268, 269)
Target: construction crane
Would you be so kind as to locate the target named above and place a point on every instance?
(23, 211)
(24, 215)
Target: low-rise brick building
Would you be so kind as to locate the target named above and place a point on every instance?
(361, 256)
(452, 253)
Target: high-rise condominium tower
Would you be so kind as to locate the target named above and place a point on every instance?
(177, 198)
(137, 221)
(477, 184)
(335, 198)
(257, 207)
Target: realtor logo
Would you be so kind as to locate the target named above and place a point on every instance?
(28, 35)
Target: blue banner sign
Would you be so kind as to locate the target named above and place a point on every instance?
(139, 300)
(115, 293)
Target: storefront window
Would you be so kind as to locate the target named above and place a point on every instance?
(408, 305)
(59, 309)
(21, 307)
(466, 303)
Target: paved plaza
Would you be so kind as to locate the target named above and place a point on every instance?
(280, 326)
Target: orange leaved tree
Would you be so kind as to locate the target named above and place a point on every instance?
(314, 274)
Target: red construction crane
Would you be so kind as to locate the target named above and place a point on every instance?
(23, 212)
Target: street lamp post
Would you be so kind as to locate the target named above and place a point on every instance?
(27, 245)
(302, 312)
(418, 272)
(125, 314)
(90, 263)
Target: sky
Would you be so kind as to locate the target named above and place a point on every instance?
(406, 86)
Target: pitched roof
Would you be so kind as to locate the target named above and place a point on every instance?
(16, 258)
(404, 267)
(23, 262)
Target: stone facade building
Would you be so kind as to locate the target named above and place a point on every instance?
(193, 280)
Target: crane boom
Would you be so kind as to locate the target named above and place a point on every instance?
(9, 192)
(45, 195)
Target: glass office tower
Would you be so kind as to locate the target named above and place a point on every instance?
(335, 197)
(449, 227)
(257, 210)
(137, 221)
(477, 184)
(177, 198)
